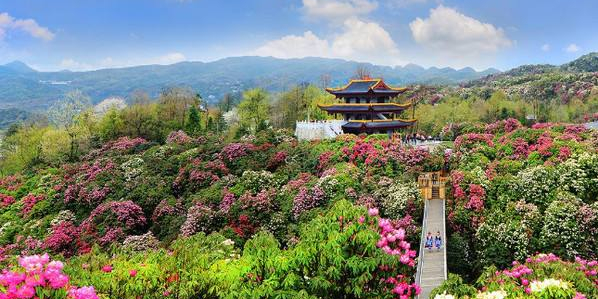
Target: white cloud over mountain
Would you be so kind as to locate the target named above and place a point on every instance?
(446, 29)
(29, 26)
(358, 40)
(451, 38)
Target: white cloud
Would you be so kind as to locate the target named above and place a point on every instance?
(359, 40)
(545, 47)
(456, 39)
(170, 58)
(29, 26)
(572, 48)
(335, 10)
(295, 46)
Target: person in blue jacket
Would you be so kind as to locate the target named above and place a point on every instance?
(438, 240)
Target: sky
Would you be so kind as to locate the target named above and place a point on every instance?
(88, 34)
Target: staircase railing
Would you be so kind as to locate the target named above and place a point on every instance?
(422, 244)
(444, 236)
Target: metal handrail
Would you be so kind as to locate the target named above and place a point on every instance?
(444, 236)
(422, 244)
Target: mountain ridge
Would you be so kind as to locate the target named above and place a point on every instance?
(23, 87)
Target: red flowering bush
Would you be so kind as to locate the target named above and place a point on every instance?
(29, 201)
(6, 200)
(364, 151)
(63, 238)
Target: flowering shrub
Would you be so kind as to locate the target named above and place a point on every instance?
(132, 168)
(29, 201)
(6, 200)
(142, 242)
(39, 277)
(467, 141)
(63, 238)
(541, 276)
(395, 197)
(258, 180)
(233, 151)
(178, 137)
(111, 221)
(124, 143)
(307, 199)
(199, 219)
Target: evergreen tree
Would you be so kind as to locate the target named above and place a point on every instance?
(193, 123)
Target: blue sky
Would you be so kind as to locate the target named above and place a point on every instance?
(86, 34)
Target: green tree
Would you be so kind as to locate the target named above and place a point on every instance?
(193, 125)
(254, 108)
(111, 125)
(65, 114)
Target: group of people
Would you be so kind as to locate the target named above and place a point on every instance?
(433, 241)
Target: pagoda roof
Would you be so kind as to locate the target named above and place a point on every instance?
(378, 124)
(366, 86)
(361, 108)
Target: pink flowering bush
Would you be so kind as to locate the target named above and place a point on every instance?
(467, 142)
(178, 137)
(124, 143)
(540, 276)
(199, 219)
(29, 201)
(233, 151)
(6, 200)
(111, 221)
(39, 277)
(307, 199)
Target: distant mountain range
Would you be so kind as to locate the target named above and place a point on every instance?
(24, 88)
(24, 91)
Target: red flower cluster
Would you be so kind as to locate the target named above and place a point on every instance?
(6, 200)
(29, 201)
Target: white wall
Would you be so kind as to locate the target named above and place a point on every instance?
(317, 130)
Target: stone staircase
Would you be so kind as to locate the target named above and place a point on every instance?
(432, 268)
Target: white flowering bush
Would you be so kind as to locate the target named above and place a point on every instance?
(553, 289)
(444, 296)
(64, 215)
(492, 295)
(502, 241)
(258, 180)
(537, 184)
(579, 174)
(142, 242)
(132, 168)
(395, 196)
(561, 232)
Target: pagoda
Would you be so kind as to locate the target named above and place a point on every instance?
(366, 108)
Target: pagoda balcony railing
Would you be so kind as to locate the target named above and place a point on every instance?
(383, 120)
(364, 105)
